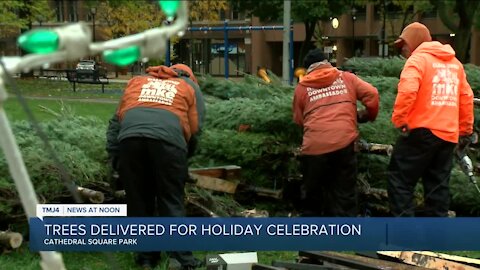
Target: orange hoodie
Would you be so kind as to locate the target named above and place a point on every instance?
(325, 105)
(433, 93)
(163, 89)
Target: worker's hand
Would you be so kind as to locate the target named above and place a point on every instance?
(192, 146)
(464, 141)
(404, 131)
(114, 162)
(114, 177)
(362, 116)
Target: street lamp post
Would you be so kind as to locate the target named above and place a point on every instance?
(354, 12)
(335, 25)
(93, 11)
(40, 20)
(383, 28)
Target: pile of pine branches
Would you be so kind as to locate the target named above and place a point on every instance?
(248, 123)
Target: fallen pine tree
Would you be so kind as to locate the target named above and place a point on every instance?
(254, 131)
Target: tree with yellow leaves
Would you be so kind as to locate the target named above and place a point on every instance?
(18, 16)
(122, 18)
(128, 17)
(206, 10)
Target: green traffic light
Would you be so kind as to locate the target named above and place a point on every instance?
(39, 41)
(122, 57)
(169, 7)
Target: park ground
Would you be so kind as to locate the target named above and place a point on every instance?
(90, 101)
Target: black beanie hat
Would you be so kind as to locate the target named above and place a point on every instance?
(313, 56)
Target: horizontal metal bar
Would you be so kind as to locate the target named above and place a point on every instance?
(234, 28)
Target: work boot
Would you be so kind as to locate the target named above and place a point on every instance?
(194, 265)
(146, 260)
(145, 264)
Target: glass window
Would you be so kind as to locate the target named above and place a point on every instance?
(59, 10)
(72, 10)
(236, 57)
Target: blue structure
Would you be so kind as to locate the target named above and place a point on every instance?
(225, 28)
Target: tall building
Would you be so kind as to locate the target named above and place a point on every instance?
(359, 32)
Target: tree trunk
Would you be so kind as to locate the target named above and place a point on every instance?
(307, 43)
(466, 12)
(25, 12)
(92, 195)
(462, 44)
(10, 239)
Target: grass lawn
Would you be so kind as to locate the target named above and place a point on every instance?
(57, 88)
(25, 260)
(14, 111)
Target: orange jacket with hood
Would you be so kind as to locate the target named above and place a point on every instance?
(166, 105)
(325, 105)
(433, 93)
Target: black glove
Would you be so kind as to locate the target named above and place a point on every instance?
(404, 131)
(114, 162)
(362, 116)
(192, 146)
(464, 141)
(114, 177)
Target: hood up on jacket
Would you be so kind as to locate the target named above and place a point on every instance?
(441, 51)
(413, 35)
(164, 72)
(321, 76)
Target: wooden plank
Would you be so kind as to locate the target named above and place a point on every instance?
(229, 172)
(231, 187)
(368, 254)
(92, 195)
(335, 259)
(306, 266)
(265, 192)
(214, 183)
(451, 257)
(413, 258)
(259, 266)
(359, 262)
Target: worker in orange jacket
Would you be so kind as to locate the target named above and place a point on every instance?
(151, 134)
(325, 106)
(433, 109)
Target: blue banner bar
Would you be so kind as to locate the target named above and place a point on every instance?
(227, 234)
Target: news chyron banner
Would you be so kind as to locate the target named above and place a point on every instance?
(109, 230)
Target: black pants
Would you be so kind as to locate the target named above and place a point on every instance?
(330, 183)
(154, 174)
(420, 155)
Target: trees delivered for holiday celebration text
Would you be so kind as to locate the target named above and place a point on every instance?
(203, 229)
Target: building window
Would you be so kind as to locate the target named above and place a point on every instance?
(236, 15)
(59, 10)
(222, 15)
(72, 10)
(236, 57)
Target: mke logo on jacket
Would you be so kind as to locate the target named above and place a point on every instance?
(445, 85)
(337, 88)
(159, 91)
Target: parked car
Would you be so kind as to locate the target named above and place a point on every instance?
(87, 68)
